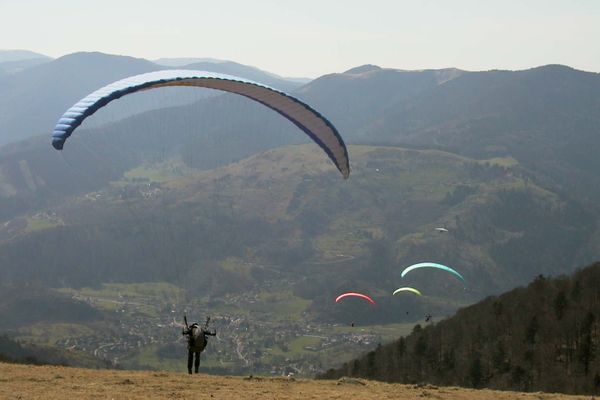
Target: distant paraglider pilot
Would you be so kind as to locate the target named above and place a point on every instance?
(197, 338)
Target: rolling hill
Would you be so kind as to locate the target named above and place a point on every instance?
(500, 224)
(469, 113)
(264, 245)
(534, 116)
(504, 159)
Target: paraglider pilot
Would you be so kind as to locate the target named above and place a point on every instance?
(197, 338)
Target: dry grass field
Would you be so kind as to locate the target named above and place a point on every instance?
(49, 382)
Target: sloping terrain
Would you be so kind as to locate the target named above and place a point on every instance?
(279, 235)
(264, 245)
(544, 118)
(50, 383)
(17, 352)
(541, 337)
(395, 198)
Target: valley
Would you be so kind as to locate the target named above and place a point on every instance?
(259, 332)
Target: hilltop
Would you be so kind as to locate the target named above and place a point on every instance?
(50, 383)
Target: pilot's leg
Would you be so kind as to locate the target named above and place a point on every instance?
(190, 360)
(197, 364)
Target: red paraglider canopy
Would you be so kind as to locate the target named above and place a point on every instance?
(352, 294)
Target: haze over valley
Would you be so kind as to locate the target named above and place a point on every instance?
(193, 201)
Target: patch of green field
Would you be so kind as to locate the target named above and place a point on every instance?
(230, 309)
(146, 310)
(335, 356)
(501, 162)
(157, 173)
(347, 235)
(283, 305)
(387, 331)
(295, 347)
(337, 242)
(148, 356)
(276, 304)
(35, 224)
(147, 174)
(107, 305)
(142, 298)
(236, 265)
(162, 290)
(48, 334)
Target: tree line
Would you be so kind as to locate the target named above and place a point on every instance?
(543, 337)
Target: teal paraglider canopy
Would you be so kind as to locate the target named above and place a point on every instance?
(316, 126)
(432, 265)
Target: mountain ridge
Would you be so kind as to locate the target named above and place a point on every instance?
(50, 88)
(8, 55)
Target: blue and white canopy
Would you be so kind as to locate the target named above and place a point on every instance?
(316, 126)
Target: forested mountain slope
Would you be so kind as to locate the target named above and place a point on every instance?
(543, 337)
(289, 209)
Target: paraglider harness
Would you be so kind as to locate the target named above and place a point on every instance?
(197, 336)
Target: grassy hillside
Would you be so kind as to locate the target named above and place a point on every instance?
(264, 245)
(58, 383)
(541, 337)
(288, 208)
(23, 304)
(18, 352)
(544, 118)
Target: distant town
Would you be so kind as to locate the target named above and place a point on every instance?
(244, 343)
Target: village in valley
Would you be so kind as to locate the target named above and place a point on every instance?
(145, 333)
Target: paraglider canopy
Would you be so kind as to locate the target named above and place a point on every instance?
(316, 126)
(441, 229)
(432, 265)
(353, 294)
(407, 289)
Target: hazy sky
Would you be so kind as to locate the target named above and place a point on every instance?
(315, 37)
